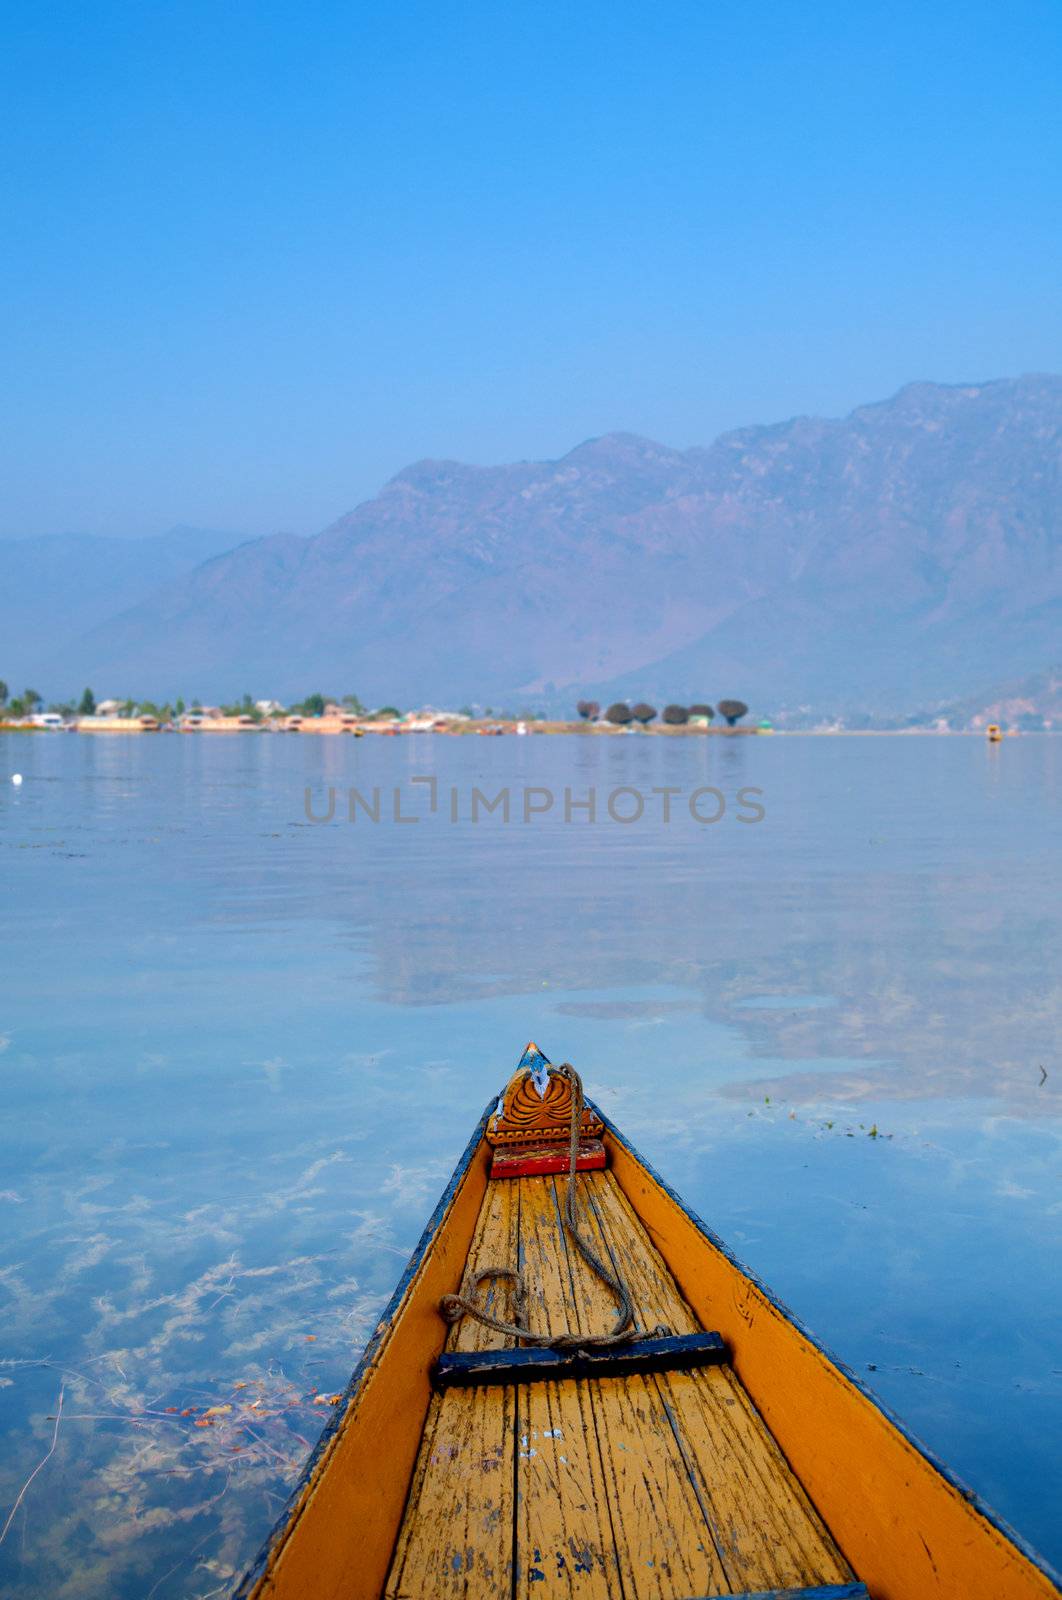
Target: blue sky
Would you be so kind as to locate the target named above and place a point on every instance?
(260, 256)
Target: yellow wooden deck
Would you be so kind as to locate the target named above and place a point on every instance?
(653, 1487)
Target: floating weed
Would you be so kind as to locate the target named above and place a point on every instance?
(822, 1125)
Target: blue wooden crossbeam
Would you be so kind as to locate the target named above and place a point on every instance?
(675, 1353)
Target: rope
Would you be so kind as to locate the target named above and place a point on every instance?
(455, 1306)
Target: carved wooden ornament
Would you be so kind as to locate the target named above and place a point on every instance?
(536, 1107)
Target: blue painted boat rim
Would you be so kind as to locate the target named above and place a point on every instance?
(387, 1316)
(986, 1511)
(830, 1591)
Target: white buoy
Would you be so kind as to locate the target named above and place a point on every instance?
(16, 778)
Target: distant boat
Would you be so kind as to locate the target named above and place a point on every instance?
(993, 733)
(577, 1390)
(521, 727)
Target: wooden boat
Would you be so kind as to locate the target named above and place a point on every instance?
(718, 1451)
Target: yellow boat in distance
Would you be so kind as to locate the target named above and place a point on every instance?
(993, 733)
(577, 1390)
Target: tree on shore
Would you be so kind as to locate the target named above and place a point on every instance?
(241, 708)
(391, 711)
(87, 706)
(30, 699)
(643, 713)
(732, 710)
(676, 716)
(589, 710)
(3, 694)
(702, 711)
(619, 714)
(312, 706)
(353, 705)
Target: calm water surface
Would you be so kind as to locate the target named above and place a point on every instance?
(240, 1052)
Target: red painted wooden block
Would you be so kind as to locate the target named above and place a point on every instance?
(539, 1160)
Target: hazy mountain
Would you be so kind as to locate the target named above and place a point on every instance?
(1031, 703)
(53, 589)
(894, 558)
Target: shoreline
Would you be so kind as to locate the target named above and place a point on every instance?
(494, 729)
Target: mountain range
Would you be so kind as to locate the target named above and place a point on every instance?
(56, 588)
(899, 558)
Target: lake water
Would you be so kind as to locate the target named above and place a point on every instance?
(240, 1052)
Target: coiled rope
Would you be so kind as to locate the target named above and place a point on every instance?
(464, 1304)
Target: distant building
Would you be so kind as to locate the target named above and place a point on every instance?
(99, 724)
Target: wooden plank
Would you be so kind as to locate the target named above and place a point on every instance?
(766, 1532)
(564, 1536)
(530, 1365)
(910, 1529)
(763, 1526)
(496, 1244)
(663, 1543)
(656, 1295)
(456, 1539)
